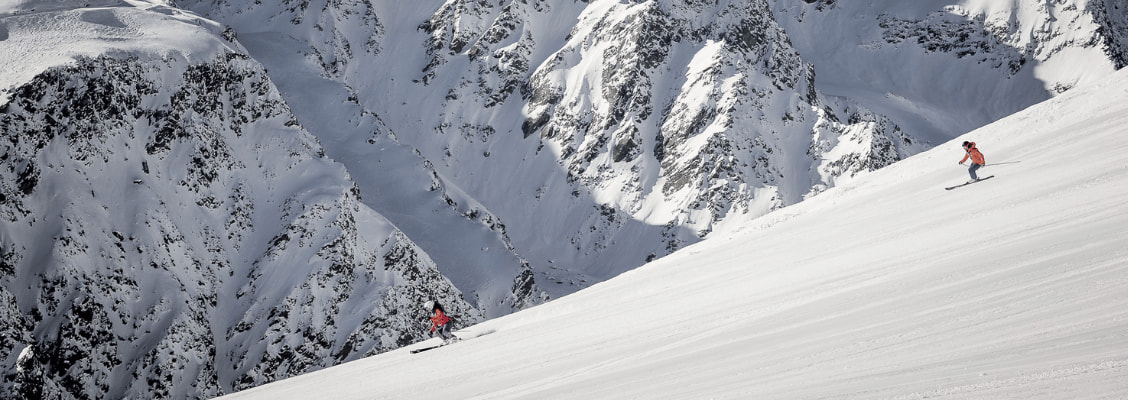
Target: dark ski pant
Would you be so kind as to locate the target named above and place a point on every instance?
(971, 170)
(442, 332)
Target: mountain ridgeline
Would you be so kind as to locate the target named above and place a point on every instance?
(202, 196)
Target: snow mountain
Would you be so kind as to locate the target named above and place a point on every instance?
(563, 143)
(169, 228)
(202, 196)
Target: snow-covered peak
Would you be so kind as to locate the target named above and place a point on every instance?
(39, 34)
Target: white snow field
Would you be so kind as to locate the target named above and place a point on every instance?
(886, 287)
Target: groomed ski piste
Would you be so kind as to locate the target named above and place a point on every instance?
(889, 287)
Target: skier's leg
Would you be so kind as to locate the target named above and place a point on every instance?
(971, 170)
(446, 332)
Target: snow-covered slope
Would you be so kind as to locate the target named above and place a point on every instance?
(887, 287)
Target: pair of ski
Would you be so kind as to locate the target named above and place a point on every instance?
(460, 336)
(435, 346)
(968, 183)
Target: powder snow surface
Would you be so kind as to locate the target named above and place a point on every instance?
(886, 287)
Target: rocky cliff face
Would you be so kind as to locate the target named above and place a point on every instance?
(1112, 18)
(703, 107)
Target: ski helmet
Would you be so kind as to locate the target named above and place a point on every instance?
(429, 305)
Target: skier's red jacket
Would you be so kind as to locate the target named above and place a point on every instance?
(439, 319)
(976, 156)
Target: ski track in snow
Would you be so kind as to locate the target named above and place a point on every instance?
(888, 287)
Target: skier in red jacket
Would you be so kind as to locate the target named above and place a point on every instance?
(440, 322)
(977, 159)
